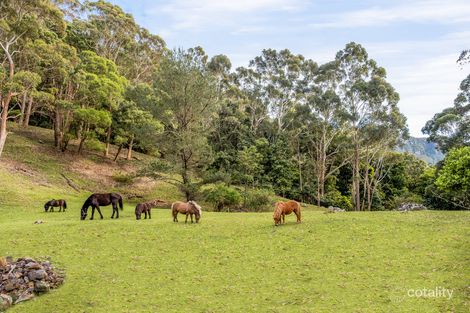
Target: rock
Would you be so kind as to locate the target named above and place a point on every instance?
(332, 209)
(25, 296)
(33, 266)
(39, 222)
(20, 280)
(410, 206)
(9, 286)
(41, 287)
(5, 302)
(37, 275)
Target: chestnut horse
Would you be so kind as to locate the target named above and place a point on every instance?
(188, 208)
(146, 206)
(97, 199)
(285, 208)
(55, 203)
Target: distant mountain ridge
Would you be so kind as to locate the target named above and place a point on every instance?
(421, 148)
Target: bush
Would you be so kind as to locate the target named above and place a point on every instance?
(95, 145)
(336, 199)
(258, 200)
(123, 178)
(222, 196)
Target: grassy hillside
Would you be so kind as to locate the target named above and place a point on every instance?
(231, 262)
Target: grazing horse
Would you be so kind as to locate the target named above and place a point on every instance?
(104, 199)
(285, 208)
(146, 206)
(55, 203)
(188, 208)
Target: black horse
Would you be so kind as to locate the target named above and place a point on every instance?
(104, 199)
(55, 203)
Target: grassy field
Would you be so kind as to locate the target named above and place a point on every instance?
(230, 262)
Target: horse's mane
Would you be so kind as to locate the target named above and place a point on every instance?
(278, 209)
(197, 206)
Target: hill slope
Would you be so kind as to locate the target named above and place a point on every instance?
(421, 148)
(230, 262)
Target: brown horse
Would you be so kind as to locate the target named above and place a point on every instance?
(55, 203)
(188, 208)
(146, 206)
(285, 208)
(97, 199)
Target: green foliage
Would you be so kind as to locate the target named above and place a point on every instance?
(454, 176)
(451, 127)
(222, 196)
(94, 144)
(257, 200)
(336, 199)
(95, 118)
(123, 177)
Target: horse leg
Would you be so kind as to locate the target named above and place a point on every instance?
(115, 207)
(150, 216)
(145, 212)
(298, 216)
(283, 218)
(186, 218)
(191, 217)
(92, 212)
(99, 211)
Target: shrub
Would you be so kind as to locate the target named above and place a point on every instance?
(258, 200)
(123, 178)
(222, 196)
(336, 199)
(95, 145)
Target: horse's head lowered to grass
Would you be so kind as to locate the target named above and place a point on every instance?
(198, 210)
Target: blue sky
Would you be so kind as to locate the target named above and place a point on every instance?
(417, 42)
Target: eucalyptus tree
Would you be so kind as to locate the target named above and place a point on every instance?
(113, 34)
(280, 78)
(132, 125)
(20, 21)
(253, 103)
(103, 87)
(367, 99)
(188, 101)
(451, 127)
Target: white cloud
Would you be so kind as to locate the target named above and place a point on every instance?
(445, 12)
(198, 15)
(426, 87)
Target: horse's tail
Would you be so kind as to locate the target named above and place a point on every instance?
(120, 203)
(65, 204)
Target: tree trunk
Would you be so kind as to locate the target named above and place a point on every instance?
(118, 152)
(185, 176)
(356, 176)
(23, 107)
(3, 126)
(28, 112)
(5, 101)
(108, 140)
(129, 150)
(57, 137)
(80, 146)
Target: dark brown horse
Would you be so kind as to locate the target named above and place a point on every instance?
(146, 206)
(55, 203)
(285, 208)
(188, 208)
(104, 199)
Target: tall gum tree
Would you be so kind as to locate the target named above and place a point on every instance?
(21, 20)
